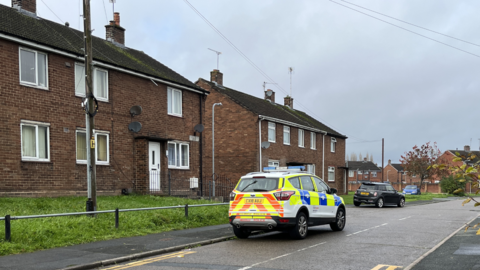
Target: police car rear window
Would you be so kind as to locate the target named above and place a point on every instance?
(257, 184)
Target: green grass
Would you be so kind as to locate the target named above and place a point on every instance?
(30, 235)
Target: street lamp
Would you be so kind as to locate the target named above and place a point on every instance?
(213, 144)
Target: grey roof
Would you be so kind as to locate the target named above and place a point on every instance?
(362, 166)
(397, 166)
(266, 108)
(61, 37)
(464, 155)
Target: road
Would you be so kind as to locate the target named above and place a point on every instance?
(374, 239)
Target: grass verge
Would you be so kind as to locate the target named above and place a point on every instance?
(30, 235)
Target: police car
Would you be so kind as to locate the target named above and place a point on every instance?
(284, 199)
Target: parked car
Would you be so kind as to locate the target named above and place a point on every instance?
(380, 194)
(412, 189)
(284, 200)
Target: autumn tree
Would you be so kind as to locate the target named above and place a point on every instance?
(420, 162)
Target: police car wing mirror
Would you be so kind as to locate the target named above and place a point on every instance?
(333, 191)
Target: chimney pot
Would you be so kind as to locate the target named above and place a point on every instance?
(216, 76)
(466, 148)
(116, 18)
(28, 5)
(389, 162)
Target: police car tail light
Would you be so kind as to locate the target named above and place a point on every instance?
(284, 196)
(232, 196)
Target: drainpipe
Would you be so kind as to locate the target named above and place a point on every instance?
(323, 157)
(201, 148)
(260, 141)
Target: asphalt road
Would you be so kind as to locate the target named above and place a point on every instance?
(388, 238)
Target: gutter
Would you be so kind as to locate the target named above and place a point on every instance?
(82, 59)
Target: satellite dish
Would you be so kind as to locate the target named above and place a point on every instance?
(269, 93)
(135, 110)
(198, 128)
(135, 126)
(265, 145)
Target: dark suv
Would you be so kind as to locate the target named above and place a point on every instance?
(379, 194)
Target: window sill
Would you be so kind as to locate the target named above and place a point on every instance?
(36, 161)
(301, 146)
(271, 141)
(96, 164)
(34, 86)
(331, 180)
(175, 115)
(179, 168)
(286, 144)
(313, 148)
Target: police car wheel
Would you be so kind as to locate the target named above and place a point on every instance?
(379, 203)
(241, 233)
(301, 227)
(340, 220)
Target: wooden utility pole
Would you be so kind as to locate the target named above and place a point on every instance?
(382, 159)
(90, 109)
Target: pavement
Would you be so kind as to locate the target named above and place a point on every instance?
(458, 251)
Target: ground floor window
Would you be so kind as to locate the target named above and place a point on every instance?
(101, 146)
(35, 141)
(274, 163)
(311, 168)
(331, 174)
(178, 155)
(351, 173)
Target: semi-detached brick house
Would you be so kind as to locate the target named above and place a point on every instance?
(394, 173)
(43, 124)
(364, 171)
(243, 122)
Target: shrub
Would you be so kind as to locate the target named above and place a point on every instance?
(449, 185)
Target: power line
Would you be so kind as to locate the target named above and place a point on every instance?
(105, 9)
(406, 29)
(413, 24)
(250, 61)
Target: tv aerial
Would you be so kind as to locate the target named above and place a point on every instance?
(218, 56)
(265, 84)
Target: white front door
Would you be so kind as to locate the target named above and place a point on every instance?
(154, 165)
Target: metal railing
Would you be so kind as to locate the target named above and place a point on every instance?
(8, 218)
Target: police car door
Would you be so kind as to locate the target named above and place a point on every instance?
(309, 196)
(326, 201)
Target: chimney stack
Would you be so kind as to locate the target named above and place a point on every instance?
(114, 32)
(389, 162)
(270, 95)
(216, 76)
(28, 5)
(364, 159)
(466, 148)
(288, 101)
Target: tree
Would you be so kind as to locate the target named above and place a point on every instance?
(353, 157)
(420, 162)
(360, 158)
(371, 158)
(368, 157)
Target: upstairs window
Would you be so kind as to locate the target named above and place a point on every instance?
(271, 132)
(178, 155)
(286, 135)
(313, 140)
(33, 68)
(100, 82)
(374, 174)
(174, 98)
(333, 143)
(301, 139)
(35, 141)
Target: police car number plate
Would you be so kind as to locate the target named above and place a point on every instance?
(364, 193)
(253, 200)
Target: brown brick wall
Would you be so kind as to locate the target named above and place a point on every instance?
(237, 143)
(61, 108)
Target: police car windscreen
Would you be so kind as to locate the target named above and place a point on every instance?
(261, 184)
(368, 187)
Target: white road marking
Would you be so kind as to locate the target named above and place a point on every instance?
(368, 229)
(405, 218)
(253, 265)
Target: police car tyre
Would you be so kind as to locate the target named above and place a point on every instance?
(241, 233)
(357, 203)
(340, 220)
(401, 202)
(379, 203)
(301, 227)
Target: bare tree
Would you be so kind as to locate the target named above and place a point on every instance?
(360, 157)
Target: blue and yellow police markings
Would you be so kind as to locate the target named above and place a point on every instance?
(387, 267)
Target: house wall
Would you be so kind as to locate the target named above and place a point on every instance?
(237, 143)
(61, 108)
(365, 176)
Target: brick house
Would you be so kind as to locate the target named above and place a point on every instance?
(42, 87)
(394, 173)
(447, 156)
(244, 122)
(363, 171)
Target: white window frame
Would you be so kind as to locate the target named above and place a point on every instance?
(360, 172)
(35, 84)
(97, 132)
(178, 166)
(286, 130)
(273, 163)
(313, 140)
(36, 125)
(271, 128)
(301, 138)
(331, 170)
(351, 173)
(95, 93)
(374, 174)
(333, 143)
(172, 96)
(311, 168)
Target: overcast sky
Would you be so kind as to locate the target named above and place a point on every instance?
(363, 77)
